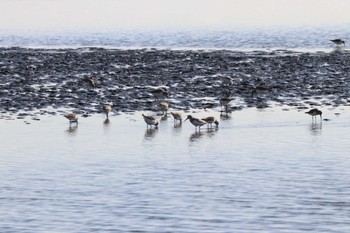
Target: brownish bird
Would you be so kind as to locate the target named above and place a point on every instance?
(177, 116)
(72, 117)
(210, 120)
(314, 113)
(150, 120)
(107, 108)
(196, 122)
(164, 106)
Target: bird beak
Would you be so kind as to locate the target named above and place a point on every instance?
(186, 119)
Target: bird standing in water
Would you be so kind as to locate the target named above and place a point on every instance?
(314, 113)
(338, 42)
(196, 122)
(177, 116)
(107, 108)
(72, 117)
(164, 106)
(210, 120)
(150, 120)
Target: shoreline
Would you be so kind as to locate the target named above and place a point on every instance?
(47, 80)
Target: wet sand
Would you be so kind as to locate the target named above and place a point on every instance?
(37, 82)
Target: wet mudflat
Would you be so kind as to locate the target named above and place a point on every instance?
(38, 82)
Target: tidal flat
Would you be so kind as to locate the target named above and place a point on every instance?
(268, 167)
(36, 82)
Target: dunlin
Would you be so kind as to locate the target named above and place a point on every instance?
(177, 116)
(314, 112)
(196, 122)
(210, 120)
(107, 108)
(72, 117)
(150, 120)
(224, 101)
(338, 41)
(164, 106)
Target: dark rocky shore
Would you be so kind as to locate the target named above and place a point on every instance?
(41, 81)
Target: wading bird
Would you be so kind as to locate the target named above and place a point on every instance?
(224, 101)
(72, 117)
(314, 113)
(196, 122)
(150, 120)
(164, 106)
(107, 108)
(338, 41)
(210, 120)
(177, 116)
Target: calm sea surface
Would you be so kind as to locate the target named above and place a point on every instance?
(261, 171)
(302, 38)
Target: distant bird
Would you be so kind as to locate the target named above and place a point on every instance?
(160, 93)
(314, 112)
(196, 122)
(150, 120)
(210, 120)
(90, 81)
(338, 41)
(107, 108)
(72, 117)
(164, 106)
(177, 116)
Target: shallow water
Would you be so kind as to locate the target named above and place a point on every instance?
(267, 170)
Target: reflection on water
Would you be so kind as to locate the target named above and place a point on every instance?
(164, 117)
(225, 116)
(212, 131)
(150, 133)
(106, 122)
(263, 165)
(316, 128)
(177, 124)
(72, 129)
(196, 136)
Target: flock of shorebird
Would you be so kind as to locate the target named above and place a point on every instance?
(151, 121)
(162, 92)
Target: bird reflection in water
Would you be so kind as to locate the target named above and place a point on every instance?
(150, 133)
(164, 117)
(177, 125)
(196, 136)
(72, 129)
(316, 128)
(106, 122)
(225, 116)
